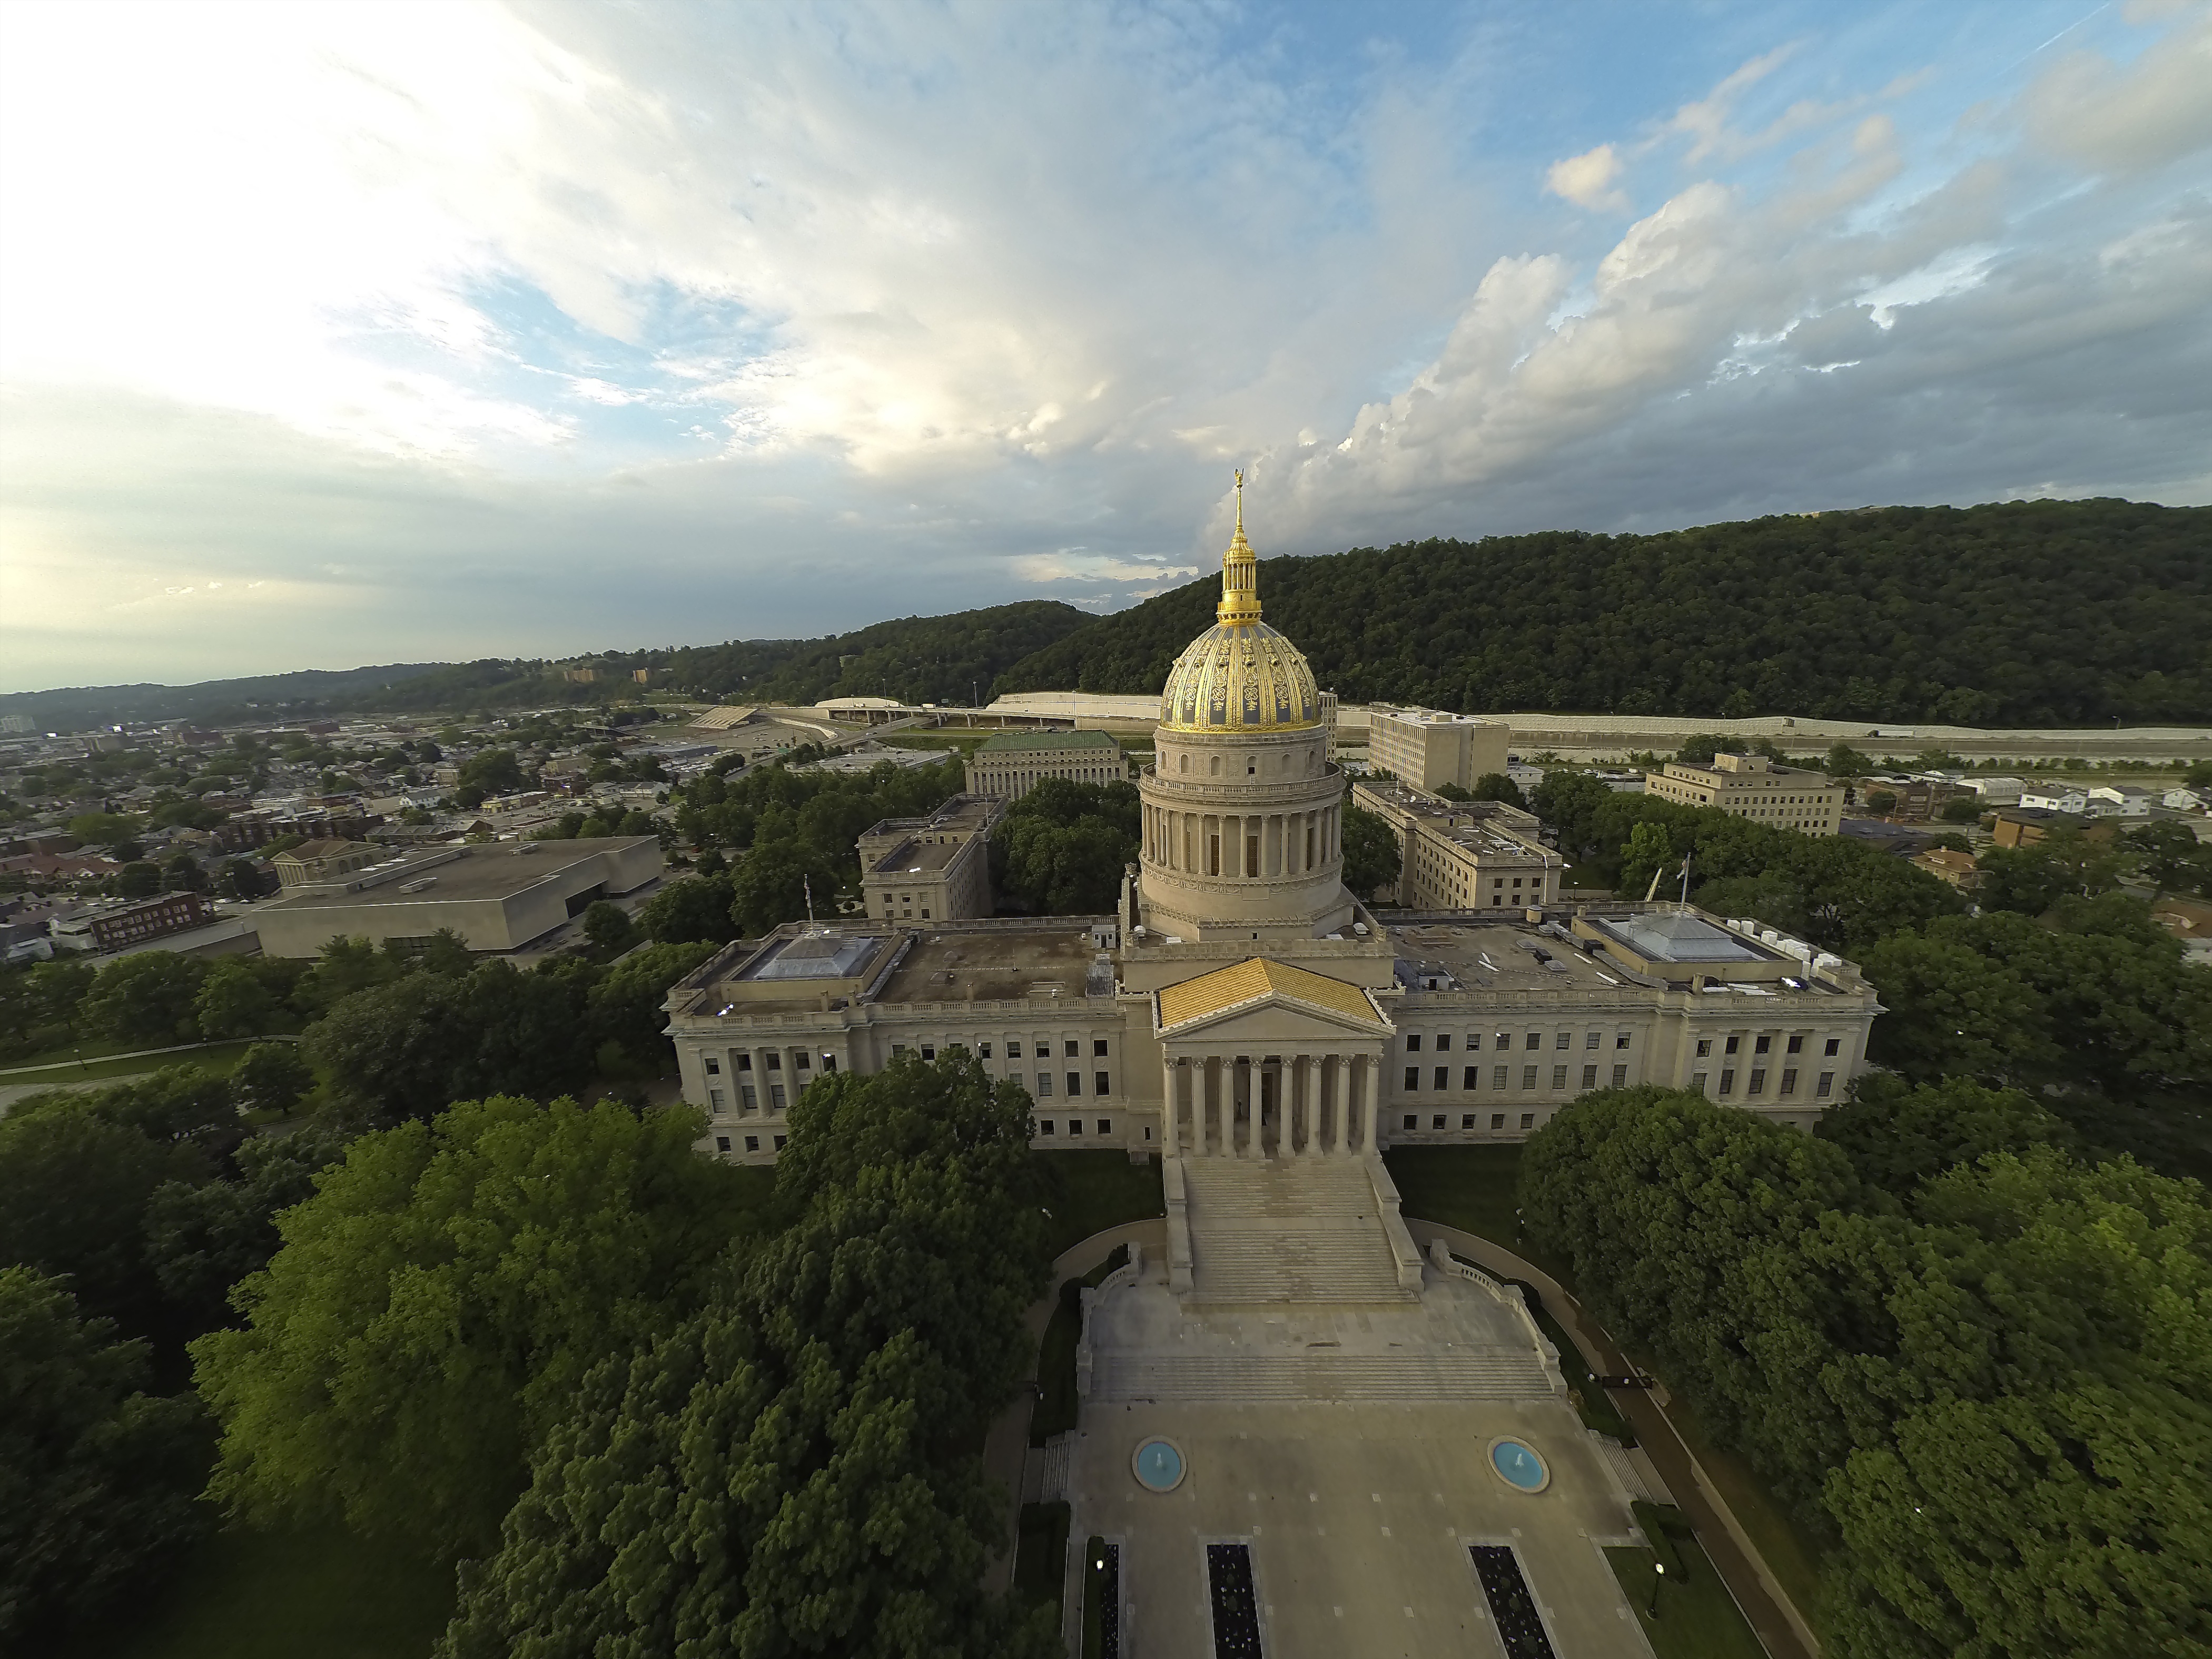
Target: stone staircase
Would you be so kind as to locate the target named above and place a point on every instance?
(1318, 1377)
(1266, 1232)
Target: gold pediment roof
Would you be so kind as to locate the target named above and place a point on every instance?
(1254, 978)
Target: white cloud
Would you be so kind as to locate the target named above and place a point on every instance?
(1588, 179)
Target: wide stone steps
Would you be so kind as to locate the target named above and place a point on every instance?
(1316, 1378)
(1272, 1233)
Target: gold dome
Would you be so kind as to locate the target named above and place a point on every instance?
(1240, 675)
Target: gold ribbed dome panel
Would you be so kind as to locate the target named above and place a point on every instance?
(1240, 675)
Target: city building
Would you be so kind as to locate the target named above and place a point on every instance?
(1241, 1002)
(112, 924)
(1463, 855)
(1009, 764)
(932, 869)
(2024, 826)
(313, 862)
(499, 896)
(1429, 749)
(1753, 786)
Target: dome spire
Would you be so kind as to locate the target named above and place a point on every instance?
(1240, 573)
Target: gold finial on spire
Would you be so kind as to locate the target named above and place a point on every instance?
(1240, 573)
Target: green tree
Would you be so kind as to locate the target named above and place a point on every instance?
(1649, 852)
(1963, 809)
(97, 1476)
(626, 1003)
(1953, 1010)
(1895, 1133)
(343, 968)
(104, 828)
(609, 929)
(1845, 761)
(799, 1456)
(233, 1001)
(138, 879)
(772, 887)
(150, 998)
(202, 1237)
(689, 909)
(1496, 786)
(1881, 802)
(271, 1077)
(1372, 858)
(2167, 855)
(436, 1304)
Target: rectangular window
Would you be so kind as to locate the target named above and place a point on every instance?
(714, 1101)
(775, 1061)
(753, 1143)
(1473, 1042)
(1758, 1081)
(713, 1066)
(1073, 1049)
(929, 1051)
(828, 1062)
(1412, 1042)
(1827, 1086)
(1410, 1120)
(1466, 1119)
(1705, 1047)
(1835, 1047)
(744, 1062)
(1497, 1076)
(1497, 1120)
(1589, 1077)
(1472, 1078)
(1046, 1126)
(1075, 1126)
(1106, 1126)
(1591, 1039)
(1044, 1084)
(1764, 1042)
(1412, 1077)
(775, 1097)
(745, 1101)
(1698, 1081)
(1098, 1048)
(721, 1142)
(1438, 1122)
(1074, 1085)
(780, 1139)
(1443, 1042)
(1797, 1044)
(1559, 1077)
(1728, 1080)
(1734, 1044)
(1528, 1120)
(1563, 1039)
(1098, 1083)
(1528, 1077)
(1790, 1080)
(1442, 1077)
(1013, 1049)
(1621, 1039)
(984, 1050)
(925, 913)
(1535, 1040)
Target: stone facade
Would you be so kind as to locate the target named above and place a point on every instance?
(932, 869)
(1753, 786)
(1428, 749)
(1011, 763)
(1464, 855)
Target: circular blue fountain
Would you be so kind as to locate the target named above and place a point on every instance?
(1518, 1466)
(1158, 1464)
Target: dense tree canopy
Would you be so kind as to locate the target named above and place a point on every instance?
(1988, 1384)
(794, 1469)
(1061, 848)
(437, 1301)
(2023, 614)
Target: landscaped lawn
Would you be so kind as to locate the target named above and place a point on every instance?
(1469, 1188)
(217, 1057)
(1102, 1189)
(1699, 1620)
(1791, 1553)
(251, 1595)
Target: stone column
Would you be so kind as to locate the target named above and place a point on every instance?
(1170, 1134)
(1374, 1093)
(1302, 1069)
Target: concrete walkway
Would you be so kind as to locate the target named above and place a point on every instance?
(1008, 1442)
(1771, 1614)
(13, 1074)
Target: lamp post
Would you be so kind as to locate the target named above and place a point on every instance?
(1658, 1577)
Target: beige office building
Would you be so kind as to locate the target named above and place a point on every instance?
(932, 869)
(1429, 749)
(1011, 763)
(1753, 786)
(1241, 1002)
(1463, 855)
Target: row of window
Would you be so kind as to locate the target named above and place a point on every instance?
(1823, 1089)
(1500, 1077)
(1040, 1047)
(1468, 1120)
(753, 1143)
(1764, 1043)
(1441, 1041)
(1047, 1126)
(1101, 1082)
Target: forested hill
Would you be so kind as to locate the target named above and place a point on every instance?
(2022, 614)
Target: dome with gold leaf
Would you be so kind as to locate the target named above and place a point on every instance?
(1240, 675)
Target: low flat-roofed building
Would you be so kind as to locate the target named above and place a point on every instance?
(1752, 786)
(1429, 748)
(113, 924)
(1009, 764)
(497, 895)
(932, 869)
(1463, 855)
(2024, 826)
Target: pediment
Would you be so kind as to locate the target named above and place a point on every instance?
(1285, 997)
(1275, 1022)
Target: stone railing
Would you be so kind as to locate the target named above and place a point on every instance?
(1178, 1224)
(1127, 1273)
(1509, 1296)
(1402, 1248)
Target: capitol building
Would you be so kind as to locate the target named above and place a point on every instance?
(1243, 1004)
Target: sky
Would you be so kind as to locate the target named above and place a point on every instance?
(339, 334)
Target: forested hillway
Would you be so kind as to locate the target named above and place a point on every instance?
(2041, 613)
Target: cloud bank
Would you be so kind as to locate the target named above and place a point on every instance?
(337, 333)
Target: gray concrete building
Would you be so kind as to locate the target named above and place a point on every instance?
(497, 895)
(1428, 748)
(932, 869)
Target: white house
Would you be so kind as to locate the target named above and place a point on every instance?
(2056, 797)
(2119, 800)
(2186, 800)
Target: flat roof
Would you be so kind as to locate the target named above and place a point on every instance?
(1661, 936)
(495, 870)
(999, 742)
(814, 955)
(998, 965)
(1485, 955)
(918, 858)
